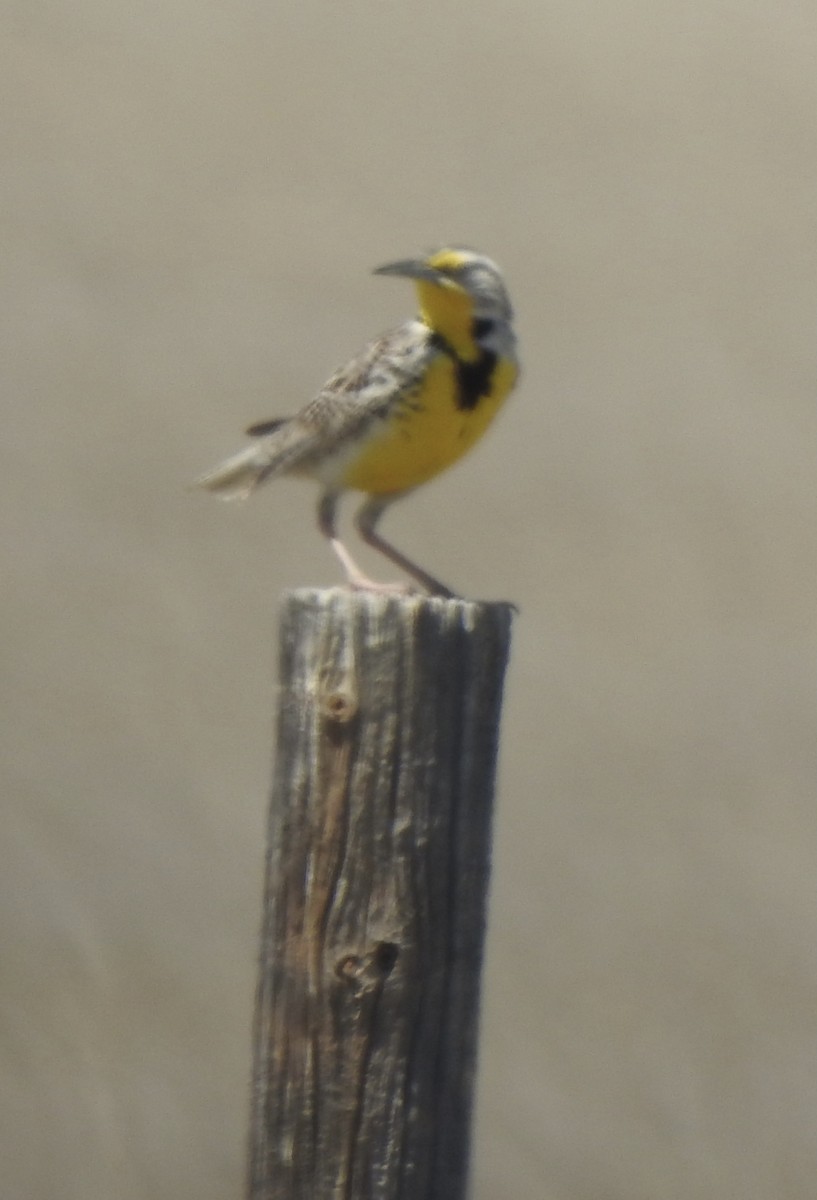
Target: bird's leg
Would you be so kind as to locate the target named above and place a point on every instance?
(355, 578)
(366, 522)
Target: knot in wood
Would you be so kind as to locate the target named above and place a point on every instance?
(339, 707)
(364, 972)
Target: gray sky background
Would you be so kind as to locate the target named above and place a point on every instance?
(194, 195)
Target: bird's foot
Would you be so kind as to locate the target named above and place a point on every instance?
(362, 583)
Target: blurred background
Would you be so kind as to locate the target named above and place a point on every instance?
(194, 195)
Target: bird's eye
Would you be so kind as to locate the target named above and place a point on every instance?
(483, 326)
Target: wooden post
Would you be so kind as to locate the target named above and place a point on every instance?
(374, 911)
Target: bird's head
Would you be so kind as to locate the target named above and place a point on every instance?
(456, 288)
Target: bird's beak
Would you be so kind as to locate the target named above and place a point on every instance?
(411, 268)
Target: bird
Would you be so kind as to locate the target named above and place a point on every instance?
(413, 402)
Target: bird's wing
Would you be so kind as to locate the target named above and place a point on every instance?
(390, 367)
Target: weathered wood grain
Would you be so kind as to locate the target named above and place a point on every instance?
(374, 914)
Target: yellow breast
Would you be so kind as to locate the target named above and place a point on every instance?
(427, 432)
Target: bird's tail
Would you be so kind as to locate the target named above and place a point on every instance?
(281, 445)
(238, 476)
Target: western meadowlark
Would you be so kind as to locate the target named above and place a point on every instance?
(413, 402)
